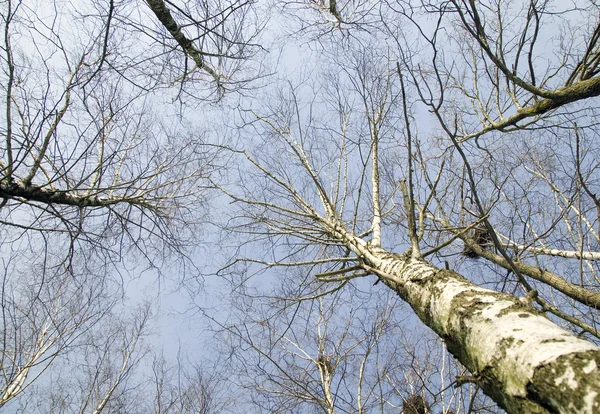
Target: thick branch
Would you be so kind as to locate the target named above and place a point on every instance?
(563, 96)
(33, 193)
(573, 291)
(163, 14)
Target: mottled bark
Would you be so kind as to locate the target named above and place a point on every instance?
(521, 359)
(55, 196)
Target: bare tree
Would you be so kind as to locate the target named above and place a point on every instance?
(440, 132)
(345, 352)
(189, 386)
(85, 156)
(94, 372)
(217, 39)
(333, 184)
(114, 367)
(305, 360)
(43, 320)
(96, 179)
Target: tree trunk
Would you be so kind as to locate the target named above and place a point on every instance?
(521, 359)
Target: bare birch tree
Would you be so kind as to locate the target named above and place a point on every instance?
(341, 352)
(189, 386)
(371, 185)
(438, 133)
(96, 179)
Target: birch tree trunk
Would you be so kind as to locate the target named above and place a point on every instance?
(524, 361)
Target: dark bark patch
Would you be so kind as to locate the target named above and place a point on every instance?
(553, 340)
(571, 383)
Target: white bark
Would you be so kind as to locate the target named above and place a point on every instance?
(15, 386)
(567, 254)
(521, 359)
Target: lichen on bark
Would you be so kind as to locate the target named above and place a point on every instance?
(525, 362)
(568, 384)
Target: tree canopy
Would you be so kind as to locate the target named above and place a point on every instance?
(325, 173)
